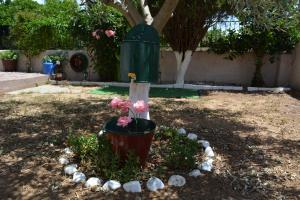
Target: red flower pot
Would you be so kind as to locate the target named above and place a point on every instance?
(136, 137)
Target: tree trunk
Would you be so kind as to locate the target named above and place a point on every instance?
(258, 80)
(29, 67)
(183, 60)
(139, 91)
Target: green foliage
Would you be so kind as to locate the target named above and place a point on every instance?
(181, 151)
(97, 155)
(8, 55)
(31, 35)
(105, 51)
(57, 57)
(84, 146)
(279, 35)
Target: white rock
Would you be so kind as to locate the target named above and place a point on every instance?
(154, 184)
(79, 177)
(192, 136)
(70, 169)
(132, 186)
(195, 173)
(93, 182)
(204, 143)
(209, 152)
(111, 185)
(181, 131)
(207, 165)
(101, 133)
(176, 180)
(68, 151)
(63, 160)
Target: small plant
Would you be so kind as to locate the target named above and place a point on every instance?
(57, 58)
(84, 146)
(47, 59)
(96, 155)
(165, 133)
(8, 55)
(181, 151)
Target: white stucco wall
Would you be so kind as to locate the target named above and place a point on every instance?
(295, 75)
(204, 67)
(209, 67)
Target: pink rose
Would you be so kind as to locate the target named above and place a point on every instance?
(124, 105)
(124, 121)
(140, 106)
(110, 33)
(115, 102)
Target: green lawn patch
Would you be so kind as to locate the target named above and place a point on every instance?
(154, 92)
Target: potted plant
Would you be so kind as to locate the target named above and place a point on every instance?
(58, 61)
(130, 134)
(9, 60)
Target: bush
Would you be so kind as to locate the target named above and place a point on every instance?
(182, 152)
(96, 155)
(8, 55)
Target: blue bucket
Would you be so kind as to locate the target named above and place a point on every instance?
(48, 68)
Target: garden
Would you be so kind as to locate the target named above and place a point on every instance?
(256, 150)
(130, 137)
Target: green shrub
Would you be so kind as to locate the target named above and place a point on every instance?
(96, 154)
(84, 146)
(8, 55)
(181, 153)
(165, 133)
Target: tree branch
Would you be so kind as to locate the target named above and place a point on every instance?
(146, 11)
(127, 8)
(164, 14)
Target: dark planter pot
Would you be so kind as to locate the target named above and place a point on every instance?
(135, 138)
(10, 65)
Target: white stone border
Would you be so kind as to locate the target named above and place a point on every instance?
(153, 184)
(183, 86)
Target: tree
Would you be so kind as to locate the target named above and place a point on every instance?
(31, 36)
(272, 29)
(129, 9)
(59, 13)
(187, 27)
(96, 19)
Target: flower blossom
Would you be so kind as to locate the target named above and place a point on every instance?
(110, 33)
(115, 102)
(124, 121)
(140, 106)
(120, 104)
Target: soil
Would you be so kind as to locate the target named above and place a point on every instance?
(255, 138)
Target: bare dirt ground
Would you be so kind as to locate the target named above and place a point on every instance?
(256, 138)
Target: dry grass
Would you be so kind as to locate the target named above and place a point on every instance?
(255, 136)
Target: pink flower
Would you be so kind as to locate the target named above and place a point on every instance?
(124, 105)
(140, 106)
(115, 102)
(124, 121)
(110, 33)
(95, 32)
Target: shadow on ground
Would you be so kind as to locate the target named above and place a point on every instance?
(29, 166)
